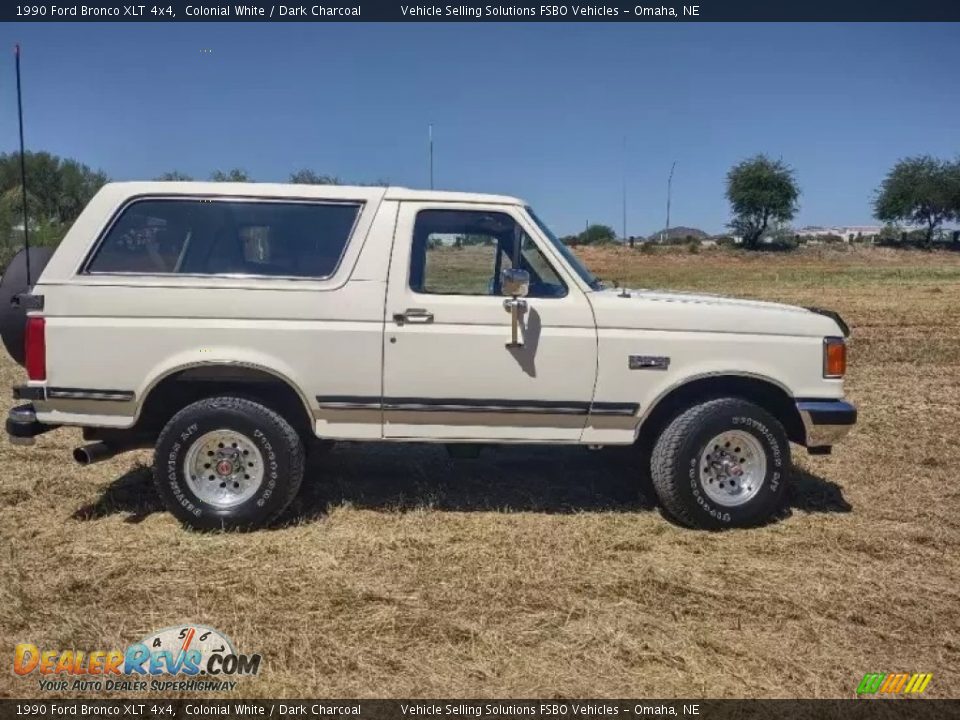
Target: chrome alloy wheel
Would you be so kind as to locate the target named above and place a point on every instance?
(733, 466)
(223, 468)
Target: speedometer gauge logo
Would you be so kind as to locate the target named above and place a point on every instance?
(202, 642)
(189, 650)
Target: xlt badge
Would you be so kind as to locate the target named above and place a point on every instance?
(649, 362)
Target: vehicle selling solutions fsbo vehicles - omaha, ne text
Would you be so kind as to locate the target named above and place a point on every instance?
(237, 327)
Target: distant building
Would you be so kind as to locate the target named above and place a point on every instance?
(847, 232)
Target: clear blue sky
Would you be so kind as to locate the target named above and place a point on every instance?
(534, 110)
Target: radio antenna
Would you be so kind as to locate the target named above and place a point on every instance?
(23, 168)
(430, 137)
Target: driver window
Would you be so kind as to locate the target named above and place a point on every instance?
(536, 264)
(462, 252)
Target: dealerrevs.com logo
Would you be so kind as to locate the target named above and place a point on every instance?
(181, 658)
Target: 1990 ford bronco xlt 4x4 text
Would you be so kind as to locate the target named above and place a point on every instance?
(235, 326)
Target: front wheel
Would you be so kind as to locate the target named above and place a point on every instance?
(721, 464)
(228, 463)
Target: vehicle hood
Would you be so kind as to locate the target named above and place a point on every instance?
(658, 310)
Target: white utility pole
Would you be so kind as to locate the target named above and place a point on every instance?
(624, 188)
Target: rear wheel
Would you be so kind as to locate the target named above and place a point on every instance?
(228, 463)
(722, 463)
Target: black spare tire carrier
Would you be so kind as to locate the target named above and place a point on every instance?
(15, 299)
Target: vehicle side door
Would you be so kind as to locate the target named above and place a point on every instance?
(449, 372)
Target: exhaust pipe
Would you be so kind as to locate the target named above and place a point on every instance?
(95, 452)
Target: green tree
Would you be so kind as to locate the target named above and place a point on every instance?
(921, 190)
(12, 200)
(48, 232)
(233, 175)
(59, 188)
(596, 235)
(78, 184)
(6, 226)
(309, 177)
(174, 176)
(954, 182)
(761, 191)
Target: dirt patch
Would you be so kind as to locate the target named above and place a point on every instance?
(536, 572)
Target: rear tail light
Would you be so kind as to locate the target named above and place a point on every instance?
(36, 348)
(834, 357)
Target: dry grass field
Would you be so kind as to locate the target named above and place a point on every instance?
(547, 572)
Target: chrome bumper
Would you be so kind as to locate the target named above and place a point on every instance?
(826, 422)
(23, 426)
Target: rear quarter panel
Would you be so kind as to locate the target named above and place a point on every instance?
(128, 332)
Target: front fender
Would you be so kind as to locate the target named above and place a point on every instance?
(792, 366)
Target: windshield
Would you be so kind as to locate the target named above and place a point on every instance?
(576, 263)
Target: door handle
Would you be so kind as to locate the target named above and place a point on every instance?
(515, 306)
(413, 315)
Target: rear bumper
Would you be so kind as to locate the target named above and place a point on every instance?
(826, 422)
(23, 426)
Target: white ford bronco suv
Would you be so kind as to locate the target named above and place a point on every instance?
(235, 327)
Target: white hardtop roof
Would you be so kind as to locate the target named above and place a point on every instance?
(402, 193)
(287, 190)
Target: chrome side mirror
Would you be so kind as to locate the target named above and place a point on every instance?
(515, 283)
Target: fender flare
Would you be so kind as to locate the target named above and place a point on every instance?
(157, 380)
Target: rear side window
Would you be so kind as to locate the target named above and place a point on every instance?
(227, 237)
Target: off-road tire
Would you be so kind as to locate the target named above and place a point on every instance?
(676, 473)
(280, 447)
